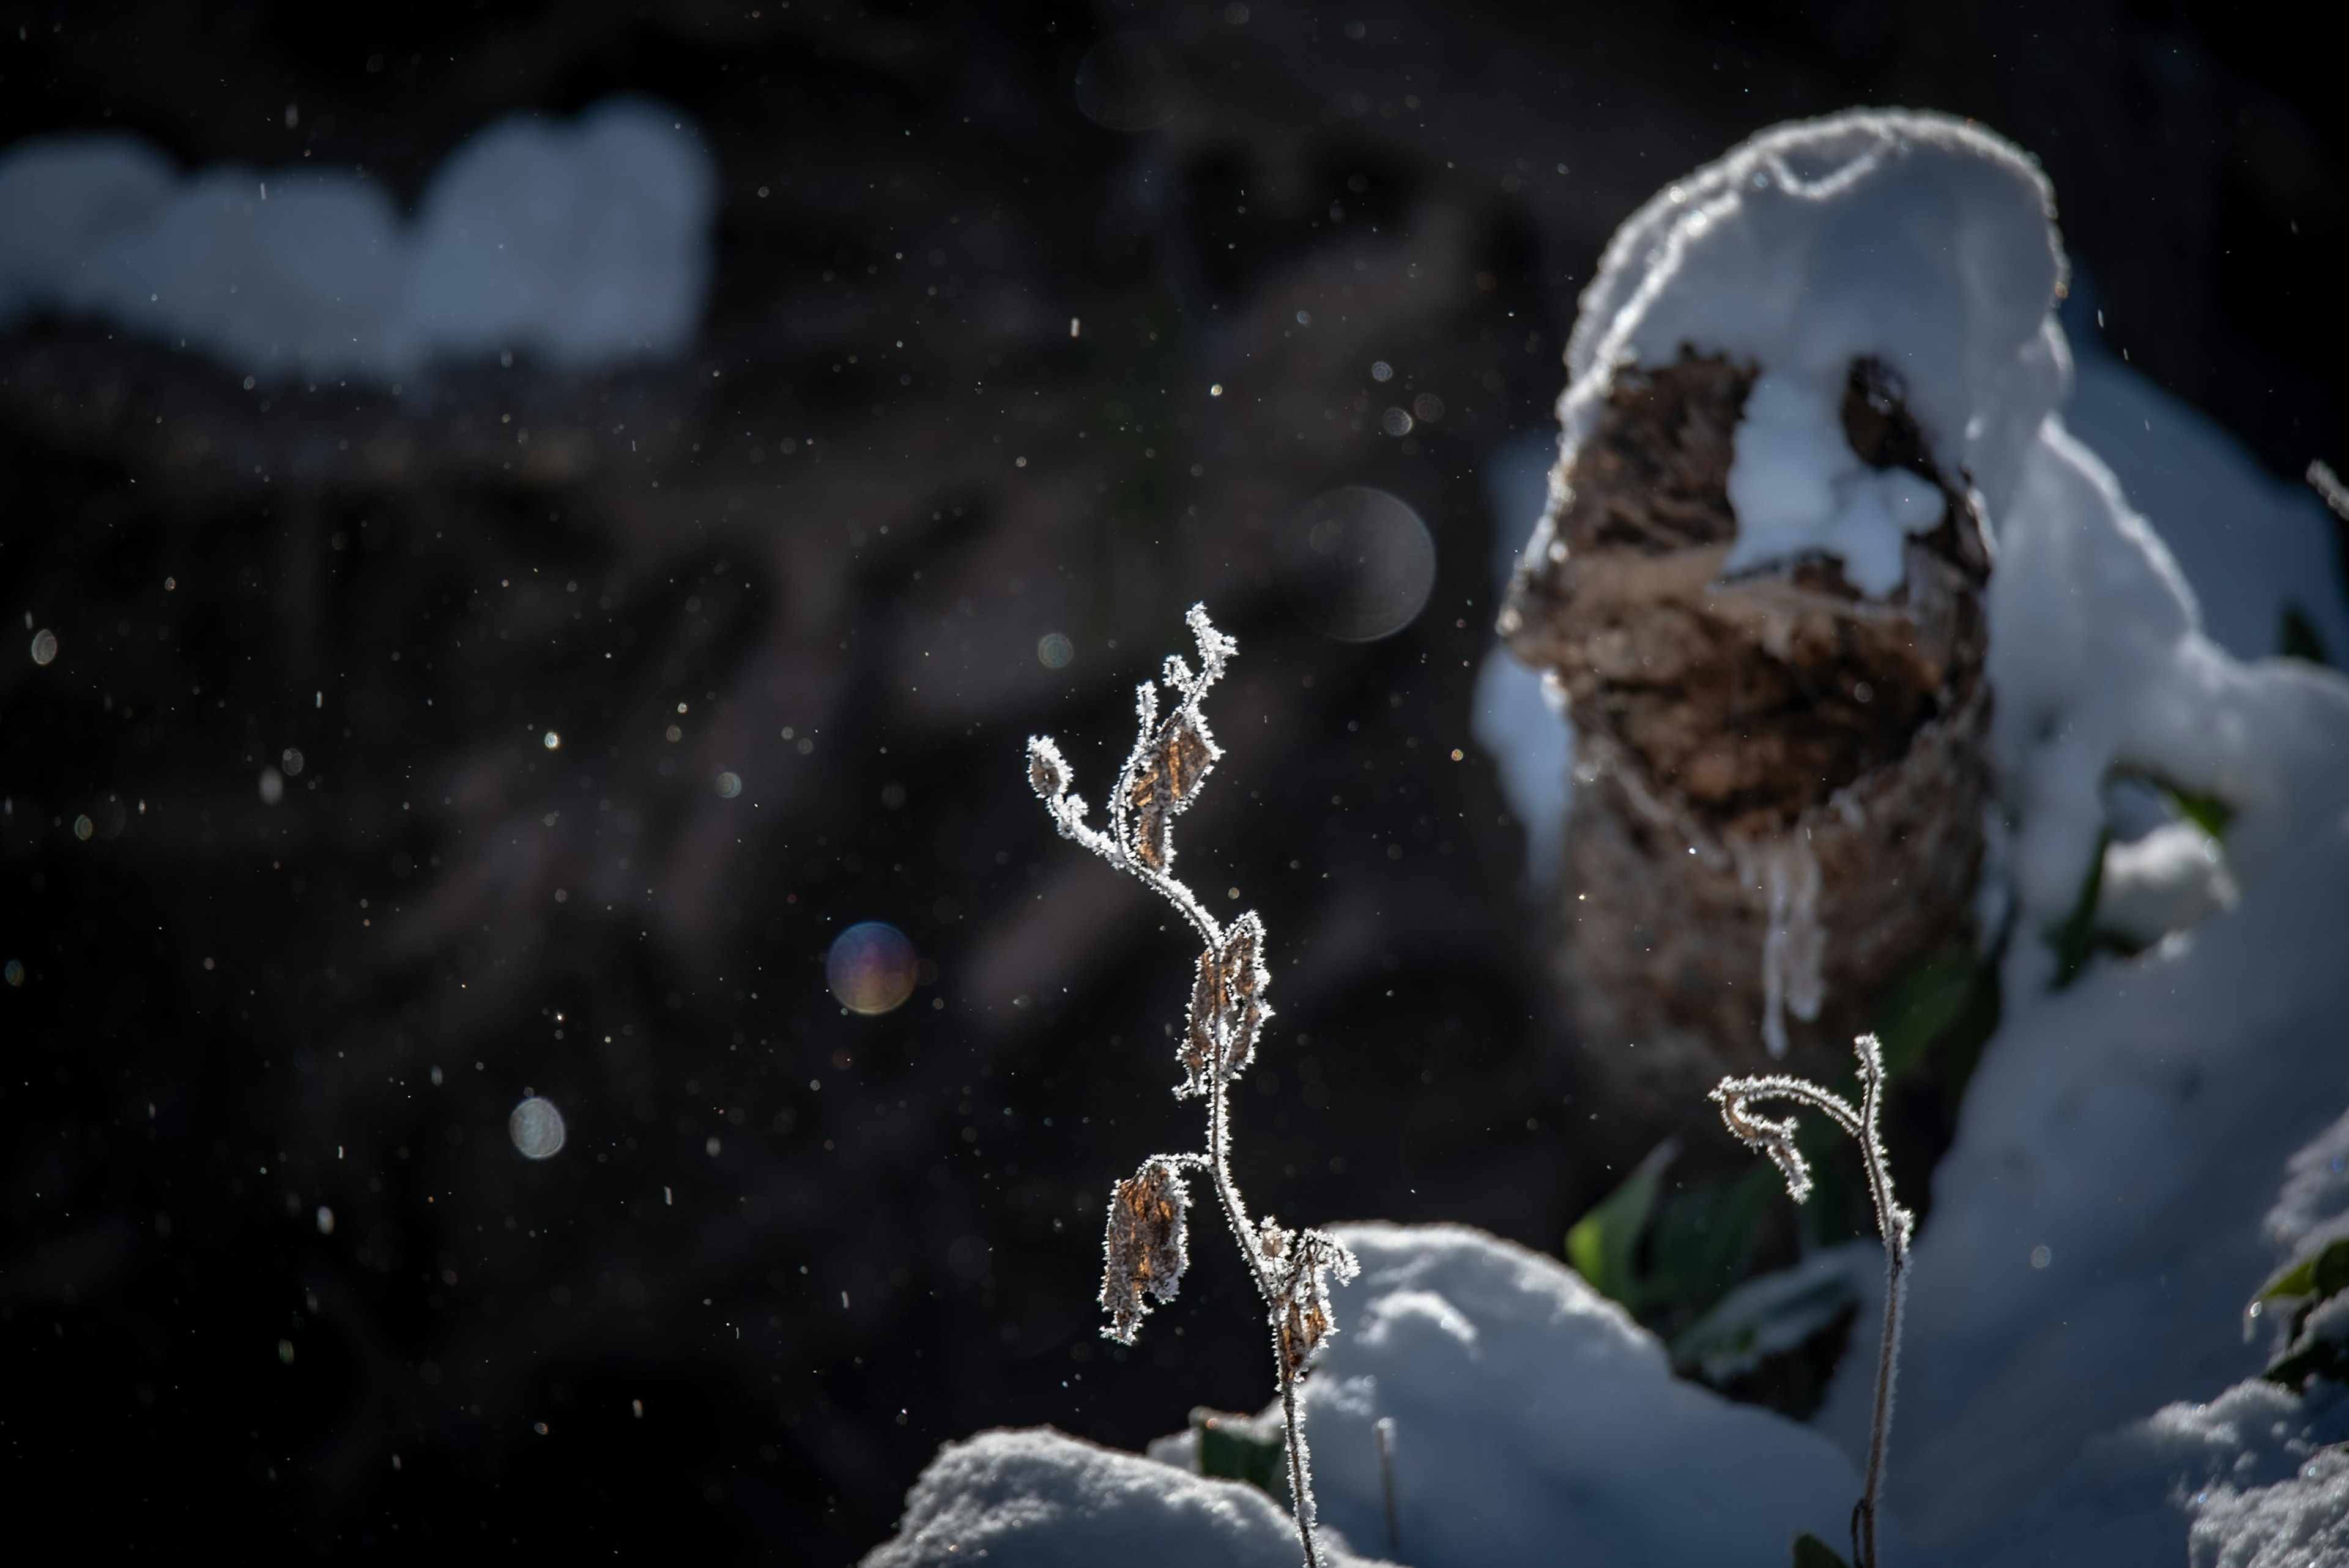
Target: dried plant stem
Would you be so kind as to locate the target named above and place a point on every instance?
(1736, 1098)
(1145, 1249)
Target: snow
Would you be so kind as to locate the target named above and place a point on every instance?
(1041, 1499)
(1796, 485)
(585, 243)
(1534, 1422)
(2099, 664)
(1519, 716)
(1916, 239)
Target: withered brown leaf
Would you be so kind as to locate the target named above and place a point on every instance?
(1145, 1247)
(1227, 1007)
(1165, 779)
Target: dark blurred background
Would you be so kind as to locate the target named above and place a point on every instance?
(788, 1250)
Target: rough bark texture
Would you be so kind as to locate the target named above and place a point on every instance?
(1732, 735)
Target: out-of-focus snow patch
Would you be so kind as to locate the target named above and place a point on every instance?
(2253, 544)
(1520, 720)
(1041, 1499)
(1534, 1422)
(586, 242)
(1796, 486)
(1914, 239)
(2173, 879)
(2100, 667)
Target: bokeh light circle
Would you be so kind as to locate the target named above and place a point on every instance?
(1358, 564)
(1130, 81)
(536, 1128)
(871, 968)
(1053, 650)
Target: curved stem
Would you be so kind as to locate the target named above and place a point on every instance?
(1887, 1354)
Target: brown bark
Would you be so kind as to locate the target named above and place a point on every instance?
(1737, 741)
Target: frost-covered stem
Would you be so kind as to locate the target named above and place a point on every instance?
(1144, 1251)
(1219, 1144)
(1736, 1098)
(1893, 1223)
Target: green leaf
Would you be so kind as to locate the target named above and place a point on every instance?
(2323, 1357)
(1603, 1245)
(2207, 812)
(1241, 1448)
(2296, 636)
(1948, 1000)
(1810, 1552)
(2322, 1275)
(2076, 939)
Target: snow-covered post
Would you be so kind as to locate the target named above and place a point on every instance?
(1802, 382)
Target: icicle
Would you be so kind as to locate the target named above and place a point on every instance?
(1787, 872)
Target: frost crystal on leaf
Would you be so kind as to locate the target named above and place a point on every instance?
(1144, 1248)
(1303, 1264)
(1227, 1007)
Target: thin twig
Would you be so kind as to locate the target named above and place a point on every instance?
(1736, 1098)
(1144, 1251)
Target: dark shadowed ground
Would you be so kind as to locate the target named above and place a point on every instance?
(787, 1251)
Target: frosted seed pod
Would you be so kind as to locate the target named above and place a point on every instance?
(536, 1128)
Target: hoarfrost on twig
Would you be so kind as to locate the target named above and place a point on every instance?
(1776, 1138)
(1145, 1250)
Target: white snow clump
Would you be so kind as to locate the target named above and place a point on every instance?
(1914, 239)
(585, 243)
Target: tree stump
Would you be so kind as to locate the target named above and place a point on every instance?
(1779, 782)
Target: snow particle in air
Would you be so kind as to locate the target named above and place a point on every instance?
(1381, 371)
(729, 784)
(553, 740)
(1395, 422)
(273, 786)
(536, 1128)
(44, 646)
(2041, 1255)
(871, 968)
(292, 760)
(1054, 650)
(326, 1220)
(15, 972)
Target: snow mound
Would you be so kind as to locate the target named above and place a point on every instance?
(585, 243)
(2100, 667)
(1535, 1422)
(1914, 239)
(1041, 1499)
(2302, 1522)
